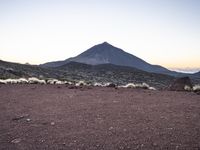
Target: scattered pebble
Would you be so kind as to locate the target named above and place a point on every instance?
(125, 130)
(111, 128)
(170, 128)
(155, 144)
(15, 141)
(52, 123)
(19, 117)
(177, 147)
(28, 119)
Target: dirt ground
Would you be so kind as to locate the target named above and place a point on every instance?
(52, 117)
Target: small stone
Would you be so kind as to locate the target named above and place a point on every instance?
(111, 128)
(155, 144)
(111, 85)
(18, 118)
(52, 123)
(15, 141)
(28, 119)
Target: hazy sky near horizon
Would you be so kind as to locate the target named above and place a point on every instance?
(164, 32)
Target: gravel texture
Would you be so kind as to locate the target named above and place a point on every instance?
(52, 117)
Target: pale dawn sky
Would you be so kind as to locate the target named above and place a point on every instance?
(164, 32)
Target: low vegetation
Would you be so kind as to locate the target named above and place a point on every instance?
(196, 88)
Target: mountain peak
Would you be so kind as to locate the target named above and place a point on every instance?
(106, 53)
(105, 44)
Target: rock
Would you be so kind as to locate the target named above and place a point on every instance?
(111, 128)
(19, 117)
(111, 85)
(180, 83)
(63, 144)
(28, 119)
(15, 141)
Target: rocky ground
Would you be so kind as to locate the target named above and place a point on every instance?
(56, 117)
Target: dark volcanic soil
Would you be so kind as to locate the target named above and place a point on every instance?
(52, 117)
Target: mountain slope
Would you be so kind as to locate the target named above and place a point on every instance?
(197, 75)
(74, 71)
(16, 70)
(107, 54)
(112, 73)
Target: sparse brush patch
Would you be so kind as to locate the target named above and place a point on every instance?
(2, 82)
(51, 81)
(152, 88)
(55, 81)
(143, 86)
(187, 88)
(98, 84)
(14, 81)
(110, 85)
(60, 82)
(23, 81)
(81, 83)
(68, 83)
(196, 88)
(34, 80)
(129, 85)
(10, 81)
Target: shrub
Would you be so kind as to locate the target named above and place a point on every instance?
(187, 88)
(81, 83)
(34, 80)
(196, 88)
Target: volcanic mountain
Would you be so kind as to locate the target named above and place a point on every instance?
(105, 53)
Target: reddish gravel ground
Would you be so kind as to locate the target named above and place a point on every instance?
(52, 117)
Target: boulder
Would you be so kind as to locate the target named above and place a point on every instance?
(180, 83)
